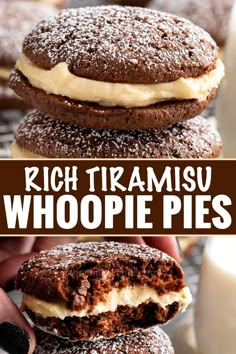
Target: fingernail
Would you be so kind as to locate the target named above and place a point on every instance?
(13, 339)
(181, 253)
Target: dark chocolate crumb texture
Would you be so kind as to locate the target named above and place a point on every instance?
(93, 63)
(38, 136)
(100, 289)
(149, 341)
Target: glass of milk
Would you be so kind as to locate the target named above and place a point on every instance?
(215, 309)
(226, 110)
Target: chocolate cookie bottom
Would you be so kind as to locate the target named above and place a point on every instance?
(92, 115)
(106, 325)
(39, 136)
(149, 341)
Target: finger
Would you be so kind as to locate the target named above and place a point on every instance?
(12, 246)
(126, 239)
(16, 335)
(167, 244)
(45, 243)
(10, 266)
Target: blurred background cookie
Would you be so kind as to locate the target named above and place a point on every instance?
(188, 244)
(17, 18)
(211, 15)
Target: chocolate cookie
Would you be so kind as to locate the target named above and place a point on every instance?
(16, 21)
(149, 341)
(113, 67)
(38, 136)
(101, 289)
(212, 15)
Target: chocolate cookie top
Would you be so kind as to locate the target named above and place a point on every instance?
(149, 341)
(194, 138)
(64, 257)
(122, 44)
(17, 18)
(212, 15)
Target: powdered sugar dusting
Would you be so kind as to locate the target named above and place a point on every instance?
(195, 138)
(61, 258)
(122, 44)
(149, 341)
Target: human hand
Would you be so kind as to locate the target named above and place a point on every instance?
(16, 335)
(15, 250)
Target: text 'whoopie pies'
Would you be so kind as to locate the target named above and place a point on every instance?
(114, 67)
(90, 290)
(142, 341)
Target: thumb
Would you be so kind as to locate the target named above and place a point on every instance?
(10, 266)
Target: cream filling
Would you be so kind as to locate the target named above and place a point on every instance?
(17, 152)
(60, 81)
(131, 296)
(4, 73)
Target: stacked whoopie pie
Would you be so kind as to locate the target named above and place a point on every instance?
(115, 81)
(102, 298)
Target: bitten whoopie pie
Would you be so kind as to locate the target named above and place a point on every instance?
(17, 18)
(212, 15)
(101, 289)
(148, 341)
(113, 67)
(39, 136)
